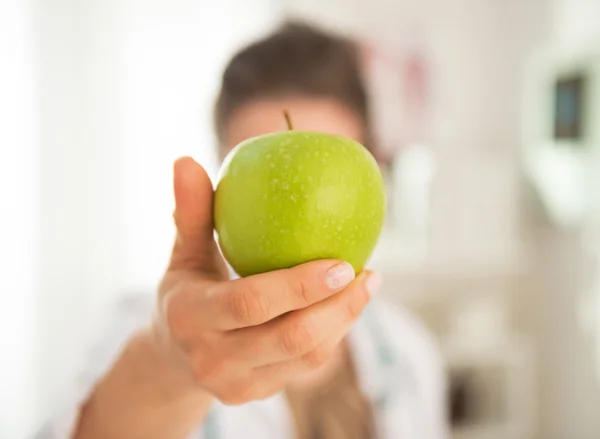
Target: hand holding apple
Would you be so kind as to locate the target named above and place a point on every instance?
(245, 339)
(236, 341)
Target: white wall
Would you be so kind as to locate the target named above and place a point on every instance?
(18, 218)
(576, 21)
(77, 78)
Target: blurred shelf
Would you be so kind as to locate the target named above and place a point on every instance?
(442, 281)
(411, 274)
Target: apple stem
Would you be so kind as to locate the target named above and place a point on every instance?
(288, 120)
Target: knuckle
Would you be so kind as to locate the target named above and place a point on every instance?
(317, 357)
(297, 338)
(302, 288)
(248, 306)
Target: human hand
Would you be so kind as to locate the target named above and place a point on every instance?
(245, 339)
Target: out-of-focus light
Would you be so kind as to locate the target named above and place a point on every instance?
(560, 177)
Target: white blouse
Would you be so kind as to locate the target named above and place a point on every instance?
(398, 365)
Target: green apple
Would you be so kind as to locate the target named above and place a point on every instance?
(295, 196)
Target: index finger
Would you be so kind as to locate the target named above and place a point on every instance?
(257, 299)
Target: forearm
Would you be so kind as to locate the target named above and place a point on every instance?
(143, 397)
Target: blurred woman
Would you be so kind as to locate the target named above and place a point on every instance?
(295, 353)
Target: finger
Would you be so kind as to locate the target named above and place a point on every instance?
(299, 332)
(289, 370)
(194, 246)
(256, 299)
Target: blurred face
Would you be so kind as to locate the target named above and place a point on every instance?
(307, 114)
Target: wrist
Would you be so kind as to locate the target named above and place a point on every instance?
(167, 365)
(146, 394)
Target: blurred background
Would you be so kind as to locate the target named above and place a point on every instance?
(488, 119)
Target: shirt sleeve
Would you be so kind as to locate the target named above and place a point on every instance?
(127, 316)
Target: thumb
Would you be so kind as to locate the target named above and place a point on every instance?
(194, 246)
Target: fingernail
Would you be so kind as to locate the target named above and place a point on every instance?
(373, 283)
(340, 275)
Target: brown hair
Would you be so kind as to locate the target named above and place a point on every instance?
(296, 59)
